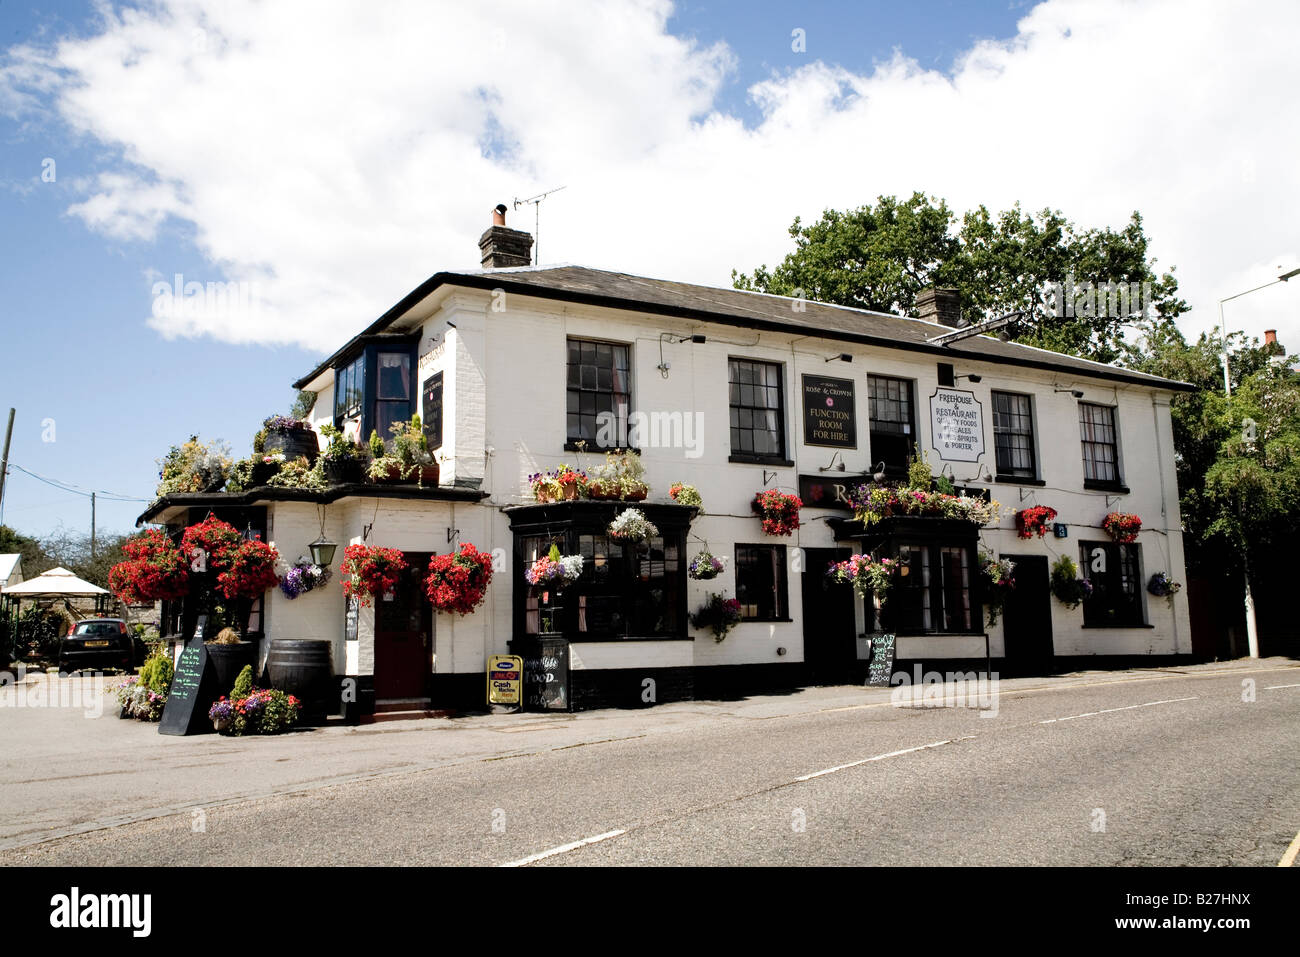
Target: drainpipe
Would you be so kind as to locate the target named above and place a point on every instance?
(1164, 508)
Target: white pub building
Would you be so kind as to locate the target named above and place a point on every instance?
(516, 369)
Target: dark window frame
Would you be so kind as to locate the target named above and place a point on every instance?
(1089, 441)
(879, 436)
(366, 363)
(737, 410)
(779, 583)
(933, 598)
(1014, 435)
(575, 393)
(1116, 600)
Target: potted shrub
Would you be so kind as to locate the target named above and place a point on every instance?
(371, 571)
(1122, 527)
(1034, 521)
(408, 459)
(620, 477)
(685, 495)
(718, 614)
(252, 710)
(229, 655)
(293, 437)
(342, 458)
(457, 583)
(780, 511)
(193, 467)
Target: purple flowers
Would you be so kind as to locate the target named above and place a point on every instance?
(303, 576)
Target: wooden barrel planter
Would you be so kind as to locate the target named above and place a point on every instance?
(229, 660)
(303, 667)
(293, 443)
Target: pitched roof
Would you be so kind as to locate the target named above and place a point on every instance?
(57, 581)
(8, 563)
(754, 310)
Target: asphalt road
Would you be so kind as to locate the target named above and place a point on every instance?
(1133, 768)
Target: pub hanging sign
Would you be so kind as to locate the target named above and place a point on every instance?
(829, 412)
(956, 425)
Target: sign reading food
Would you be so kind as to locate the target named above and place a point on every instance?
(956, 425)
(505, 679)
(829, 416)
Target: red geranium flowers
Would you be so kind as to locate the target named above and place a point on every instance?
(458, 582)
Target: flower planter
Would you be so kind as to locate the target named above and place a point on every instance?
(425, 475)
(293, 443)
(222, 725)
(229, 660)
(342, 471)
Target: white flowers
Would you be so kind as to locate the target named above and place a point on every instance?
(631, 525)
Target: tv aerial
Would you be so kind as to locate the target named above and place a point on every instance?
(536, 203)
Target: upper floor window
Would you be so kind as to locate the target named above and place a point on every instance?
(1013, 434)
(1100, 443)
(599, 393)
(393, 390)
(349, 388)
(1115, 572)
(893, 422)
(757, 410)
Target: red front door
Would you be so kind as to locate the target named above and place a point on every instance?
(403, 657)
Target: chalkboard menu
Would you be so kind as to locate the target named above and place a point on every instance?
(829, 414)
(194, 688)
(546, 675)
(433, 411)
(882, 660)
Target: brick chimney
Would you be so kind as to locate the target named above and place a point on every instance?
(939, 305)
(502, 247)
(1270, 337)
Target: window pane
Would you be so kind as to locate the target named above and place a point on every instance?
(757, 426)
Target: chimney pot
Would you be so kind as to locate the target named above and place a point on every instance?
(499, 215)
(1270, 337)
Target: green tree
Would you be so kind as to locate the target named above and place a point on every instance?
(34, 558)
(879, 257)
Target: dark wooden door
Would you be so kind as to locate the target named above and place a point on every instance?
(403, 625)
(829, 627)
(1027, 615)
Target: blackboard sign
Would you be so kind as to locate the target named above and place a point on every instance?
(546, 675)
(829, 413)
(433, 411)
(193, 690)
(882, 660)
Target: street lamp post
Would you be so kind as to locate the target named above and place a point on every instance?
(1252, 629)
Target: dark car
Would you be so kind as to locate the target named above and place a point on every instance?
(99, 643)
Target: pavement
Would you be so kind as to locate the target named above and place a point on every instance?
(1183, 766)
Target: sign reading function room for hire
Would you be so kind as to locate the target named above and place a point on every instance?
(828, 412)
(956, 425)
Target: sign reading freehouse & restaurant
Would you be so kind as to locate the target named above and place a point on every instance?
(828, 410)
(957, 425)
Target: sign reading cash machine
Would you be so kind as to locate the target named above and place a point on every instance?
(956, 425)
(505, 679)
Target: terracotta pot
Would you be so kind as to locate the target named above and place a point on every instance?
(571, 491)
(426, 475)
(637, 495)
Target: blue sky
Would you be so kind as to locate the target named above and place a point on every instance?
(80, 256)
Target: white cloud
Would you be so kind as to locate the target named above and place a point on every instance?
(339, 153)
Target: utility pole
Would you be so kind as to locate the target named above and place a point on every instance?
(92, 526)
(4, 460)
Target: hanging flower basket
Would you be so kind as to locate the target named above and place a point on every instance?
(867, 575)
(632, 526)
(872, 503)
(554, 571)
(996, 575)
(303, 576)
(218, 540)
(1034, 521)
(1069, 589)
(457, 583)
(1162, 586)
(705, 566)
(780, 511)
(154, 570)
(371, 571)
(1122, 527)
(717, 613)
(248, 571)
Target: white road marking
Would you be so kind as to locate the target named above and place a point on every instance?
(1275, 687)
(564, 848)
(881, 757)
(1288, 859)
(1090, 714)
